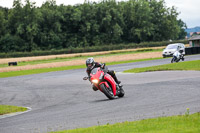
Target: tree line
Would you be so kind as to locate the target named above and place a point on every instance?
(51, 26)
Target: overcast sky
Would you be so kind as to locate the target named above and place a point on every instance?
(189, 9)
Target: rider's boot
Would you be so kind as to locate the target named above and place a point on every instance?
(116, 80)
(112, 73)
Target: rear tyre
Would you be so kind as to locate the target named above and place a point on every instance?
(107, 91)
(121, 94)
(177, 60)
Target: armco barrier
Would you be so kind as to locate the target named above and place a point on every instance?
(198, 50)
(192, 50)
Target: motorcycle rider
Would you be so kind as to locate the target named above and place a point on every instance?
(181, 53)
(178, 53)
(91, 64)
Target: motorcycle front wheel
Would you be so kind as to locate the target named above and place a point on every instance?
(107, 91)
(173, 60)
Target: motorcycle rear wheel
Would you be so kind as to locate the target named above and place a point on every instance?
(121, 94)
(107, 91)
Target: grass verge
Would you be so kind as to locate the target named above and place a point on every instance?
(44, 70)
(36, 71)
(188, 65)
(6, 109)
(174, 124)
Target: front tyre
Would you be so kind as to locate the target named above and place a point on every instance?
(173, 60)
(107, 91)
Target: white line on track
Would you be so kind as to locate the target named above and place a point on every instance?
(14, 114)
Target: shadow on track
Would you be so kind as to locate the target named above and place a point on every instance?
(101, 100)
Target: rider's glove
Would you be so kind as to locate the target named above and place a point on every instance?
(103, 65)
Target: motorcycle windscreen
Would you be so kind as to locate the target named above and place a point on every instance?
(94, 71)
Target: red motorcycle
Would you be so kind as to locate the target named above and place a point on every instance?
(105, 83)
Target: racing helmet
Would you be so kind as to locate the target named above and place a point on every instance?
(90, 63)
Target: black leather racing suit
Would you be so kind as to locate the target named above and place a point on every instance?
(111, 72)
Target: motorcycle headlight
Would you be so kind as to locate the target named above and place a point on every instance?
(95, 81)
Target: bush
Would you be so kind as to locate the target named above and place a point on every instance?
(13, 43)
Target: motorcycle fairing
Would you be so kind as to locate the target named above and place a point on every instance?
(96, 73)
(108, 78)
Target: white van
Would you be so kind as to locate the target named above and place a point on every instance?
(171, 48)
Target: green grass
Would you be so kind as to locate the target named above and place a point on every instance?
(44, 70)
(6, 109)
(112, 53)
(187, 65)
(36, 71)
(173, 124)
(131, 61)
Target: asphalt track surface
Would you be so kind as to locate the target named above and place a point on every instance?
(62, 100)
